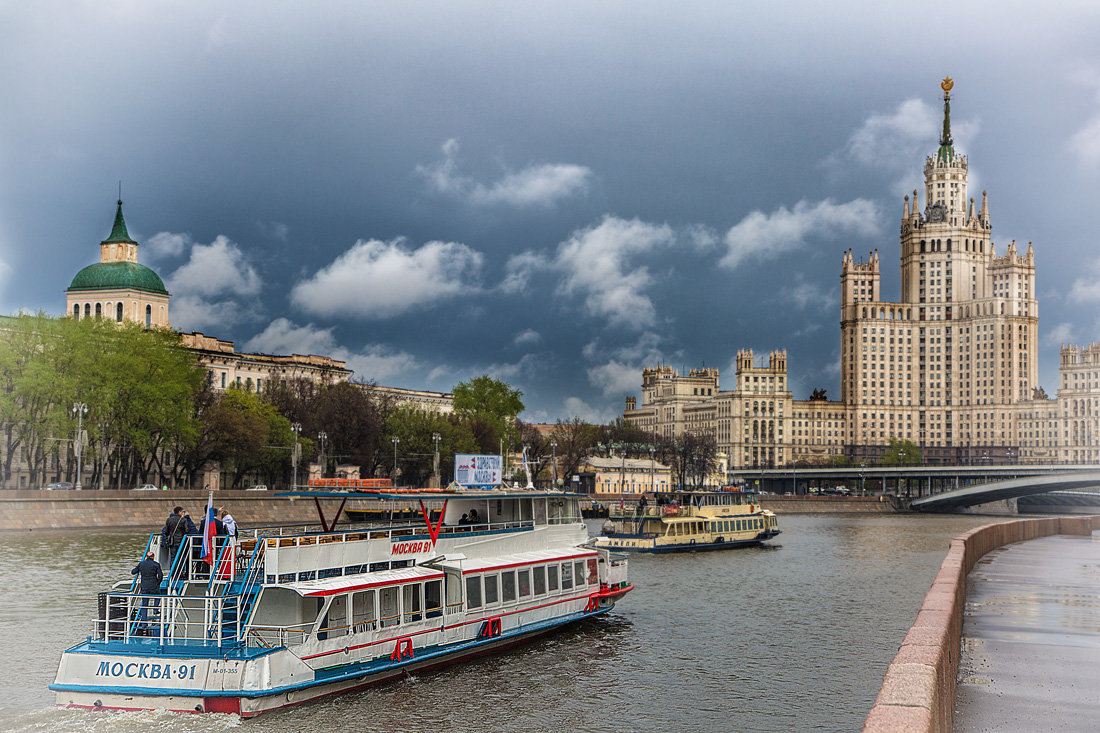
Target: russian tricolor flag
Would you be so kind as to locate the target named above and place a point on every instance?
(209, 531)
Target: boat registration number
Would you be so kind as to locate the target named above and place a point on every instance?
(146, 670)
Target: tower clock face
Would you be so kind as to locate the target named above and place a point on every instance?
(936, 212)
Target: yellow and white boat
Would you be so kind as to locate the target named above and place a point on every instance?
(680, 521)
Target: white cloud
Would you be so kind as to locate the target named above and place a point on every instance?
(803, 294)
(216, 286)
(527, 337)
(891, 141)
(520, 269)
(377, 279)
(766, 236)
(594, 263)
(167, 244)
(616, 378)
(536, 185)
(1086, 289)
(373, 361)
(1061, 333)
(576, 407)
(215, 269)
(620, 369)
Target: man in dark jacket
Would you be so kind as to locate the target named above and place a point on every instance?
(151, 576)
(176, 528)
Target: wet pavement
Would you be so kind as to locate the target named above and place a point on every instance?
(1031, 639)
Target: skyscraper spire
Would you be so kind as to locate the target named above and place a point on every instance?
(947, 150)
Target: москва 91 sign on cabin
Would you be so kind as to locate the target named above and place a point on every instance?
(477, 470)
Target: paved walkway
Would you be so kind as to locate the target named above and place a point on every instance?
(1031, 639)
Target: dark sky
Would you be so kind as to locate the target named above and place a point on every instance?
(554, 193)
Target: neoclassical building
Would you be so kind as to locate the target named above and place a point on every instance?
(951, 365)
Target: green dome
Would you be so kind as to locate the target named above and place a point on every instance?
(118, 276)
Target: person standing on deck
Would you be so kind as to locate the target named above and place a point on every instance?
(176, 528)
(151, 577)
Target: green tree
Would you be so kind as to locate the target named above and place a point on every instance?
(901, 452)
(575, 438)
(414, 429)
(489, 403)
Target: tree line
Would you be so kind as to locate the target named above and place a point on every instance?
(154, 416)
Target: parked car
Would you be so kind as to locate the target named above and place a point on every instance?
(59, 486)
(257, 487)
(146, 487)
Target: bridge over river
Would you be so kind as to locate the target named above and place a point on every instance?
(935, 488)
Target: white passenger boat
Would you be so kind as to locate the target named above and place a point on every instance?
(689, 521)
(290, 616)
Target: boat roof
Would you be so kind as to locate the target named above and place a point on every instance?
(345, 583)
(522, 558)
(410, 494)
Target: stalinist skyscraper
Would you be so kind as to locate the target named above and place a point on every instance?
(946, 364)
(951, 365)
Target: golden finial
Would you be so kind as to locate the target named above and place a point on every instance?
(946, 86)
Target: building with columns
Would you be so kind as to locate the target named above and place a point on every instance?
(951, 365)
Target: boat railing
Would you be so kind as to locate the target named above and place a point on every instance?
(650, 511)
(231, 558)
(271, 636)
(385, 533)
(175, 620)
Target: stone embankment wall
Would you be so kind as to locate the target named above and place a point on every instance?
(36, 510)
(831, 504)
(918, 692)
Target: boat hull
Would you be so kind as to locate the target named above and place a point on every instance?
(652, 547)
(251, 703)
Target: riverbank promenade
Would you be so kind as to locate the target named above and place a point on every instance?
(1031, 638)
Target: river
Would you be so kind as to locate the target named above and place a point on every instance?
(791, 636)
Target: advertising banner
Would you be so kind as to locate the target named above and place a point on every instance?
(478, 470)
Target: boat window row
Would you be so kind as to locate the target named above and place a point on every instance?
(735, 525)
(369, 610)
(508, 586)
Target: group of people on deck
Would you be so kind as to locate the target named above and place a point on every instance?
(179, 525)
(471, 518)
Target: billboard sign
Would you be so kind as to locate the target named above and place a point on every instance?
(478, 470)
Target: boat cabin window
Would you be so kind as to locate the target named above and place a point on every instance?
(508, 585)
(552, 577)
(492, 591)
(454, 589)
(540, 580)
(540, 511)
(593, 572)
(578, 574)
(566, 575)
(473, 592)
(433, 598)
(387, 601)
(338, 616)
(363, 616)
(413, 605)
(523, 579)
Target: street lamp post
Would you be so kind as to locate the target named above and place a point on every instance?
(295, 428)
(553, 463)
(435, 459)
(652, 477)
(80, 410)
(862, 489)
(395, 440)
(322, 436)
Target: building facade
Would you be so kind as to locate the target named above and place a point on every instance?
(951, 365)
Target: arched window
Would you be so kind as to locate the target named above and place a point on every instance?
(87, 310)
(948, 245)
(118, 312)
(76, 310)
(98, 310)
(148, 316)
